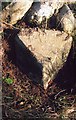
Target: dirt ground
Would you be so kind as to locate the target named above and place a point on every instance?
(24, 99)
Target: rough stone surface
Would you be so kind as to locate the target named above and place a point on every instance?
(40, 11)
(66, 19)
(50, 50)
(15, 11)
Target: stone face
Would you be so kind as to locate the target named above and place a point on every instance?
(66, 19)
(49, 49)
(15, 10)
(40, 11)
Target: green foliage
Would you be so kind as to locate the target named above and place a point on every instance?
(9, 81)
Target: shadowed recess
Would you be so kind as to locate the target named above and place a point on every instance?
(66, 77)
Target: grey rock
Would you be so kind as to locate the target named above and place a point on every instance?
(15, 11)
(49, 53)
(42, 11)
(66, 18)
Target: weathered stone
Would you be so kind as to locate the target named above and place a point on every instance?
(73, 8)
(66, 19)
(15, 10)
(49, 50)
(41, 12)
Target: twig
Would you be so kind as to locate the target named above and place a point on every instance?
(59, 93)
(8, 25)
